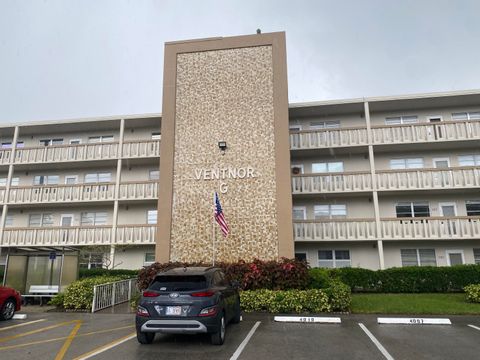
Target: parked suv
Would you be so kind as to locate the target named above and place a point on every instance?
(188, 301)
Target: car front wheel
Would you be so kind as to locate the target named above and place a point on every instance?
(217, 338)
(8, 310)
(145, 337)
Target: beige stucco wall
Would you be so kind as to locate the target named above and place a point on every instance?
(351, 162)
(346, 120)
(358, 207)
(132, 257)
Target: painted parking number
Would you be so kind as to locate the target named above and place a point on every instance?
(416, 321)
(307, 319)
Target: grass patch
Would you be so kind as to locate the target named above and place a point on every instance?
(428, 304)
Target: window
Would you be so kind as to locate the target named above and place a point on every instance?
(154, 174)
(412, 209)
(299, 213)
(297, 169)
(327, 167)
(330, 211)
(149, 258)
(9, 220)
(466, 116)
(51, 142)
(397, 120)
(94, 218)
(151, 217)
(418, 257)
(91, 260)
(46, 179)
(334, 258)
(156, 136)
(71, 179)
(98, 178)
(38, 220)
(324, 124)
(295, 127)
(411, 163)
(6, 145)
(14, 182)
(469, 160)
(473, 207)
(301, 256)
(476, 256)
(100, 139)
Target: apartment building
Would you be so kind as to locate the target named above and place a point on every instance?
(88, 186)
(384, 182)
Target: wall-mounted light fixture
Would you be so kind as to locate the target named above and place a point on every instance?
(222, 145)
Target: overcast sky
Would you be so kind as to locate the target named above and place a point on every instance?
(66, 59)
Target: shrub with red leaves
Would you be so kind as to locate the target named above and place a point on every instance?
(271, 274)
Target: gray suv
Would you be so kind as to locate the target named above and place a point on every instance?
(188, 301)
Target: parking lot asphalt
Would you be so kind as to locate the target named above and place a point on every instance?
(112, 337)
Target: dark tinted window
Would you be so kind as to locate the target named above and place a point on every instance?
(179, 283)
(473, 208)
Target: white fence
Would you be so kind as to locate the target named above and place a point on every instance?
(107, 295)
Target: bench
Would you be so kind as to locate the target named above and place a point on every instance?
(42, 291)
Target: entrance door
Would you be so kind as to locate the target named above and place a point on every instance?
(66, 220)
(455, 257)
(449, 210)
(436, 130)
(442, 178)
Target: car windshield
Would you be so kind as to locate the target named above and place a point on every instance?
(179, 283)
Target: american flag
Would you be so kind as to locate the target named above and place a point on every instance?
(219, 217)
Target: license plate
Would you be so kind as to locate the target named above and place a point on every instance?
(173, 310)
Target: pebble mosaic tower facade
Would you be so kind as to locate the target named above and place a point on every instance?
(231, 90)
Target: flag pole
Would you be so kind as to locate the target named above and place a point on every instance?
(213, 229)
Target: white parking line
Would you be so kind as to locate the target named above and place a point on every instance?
(106, 347)
(474, 327)
(376, 342)
(23, 324)
(245, 341)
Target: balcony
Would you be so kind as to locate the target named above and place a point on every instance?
(432, 228)
(443, 228)
(428, 179)
(42, 194)
(331, 183)
(81, 152)
(72, 236)
(426, 132)
(332, 230)
(327, 138)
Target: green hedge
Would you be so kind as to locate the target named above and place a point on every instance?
(86, 273)
(473, 293)
(79, 294)
(414, 279)
(337, 298)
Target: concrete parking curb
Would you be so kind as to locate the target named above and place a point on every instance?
(308, 319)
(415, 321)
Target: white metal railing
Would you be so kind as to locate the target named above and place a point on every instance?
(465, 177)
(71, 236)
(325, 138)
(347, 229)
(111, 294)
(338, 182)
(139, 190)
(145, 148)
(431, 228)
(426, 132)
(58, 153)
(61, 193)
(5, 155)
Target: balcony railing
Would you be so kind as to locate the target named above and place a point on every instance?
(426, 132)
(145, 148)
(71, 236)
(326, 138)
(458, 227)
(462, 177)
(440, 228)
(80, 193)
(345, 229)
(139, 190)
(332, 182)
(61, 193)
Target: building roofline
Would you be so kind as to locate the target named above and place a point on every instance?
(80, 120)
(371, 99)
